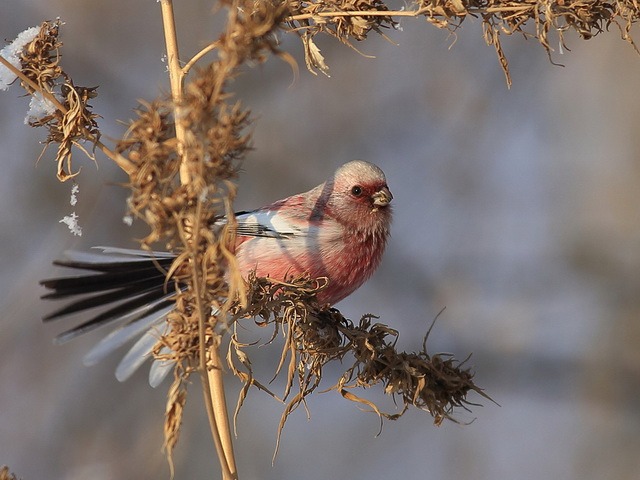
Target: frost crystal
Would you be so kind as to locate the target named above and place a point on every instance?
(39, 107)
(74, 195)
(11, 53)
(72, 222)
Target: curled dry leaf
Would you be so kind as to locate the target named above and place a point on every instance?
(176, 400)
(312, 56)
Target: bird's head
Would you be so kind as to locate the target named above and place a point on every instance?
(358, 196)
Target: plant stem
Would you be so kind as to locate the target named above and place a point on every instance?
(359, 13)
(214, 398)
(212, 381)
(212, 46)
(176, 77)
(216, 384)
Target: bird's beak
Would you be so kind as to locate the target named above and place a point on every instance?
(382, 197)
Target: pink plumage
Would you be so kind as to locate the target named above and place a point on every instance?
(337, 230)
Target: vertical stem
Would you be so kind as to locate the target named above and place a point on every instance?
(214, 398)
(220, 410)
(176, 77)
(213, 390)
(212, 382)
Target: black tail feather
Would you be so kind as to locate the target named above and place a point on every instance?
(73, 286)
(102, 299)
(132, 286)
(114, 266)
(124, 275)
(115, 314)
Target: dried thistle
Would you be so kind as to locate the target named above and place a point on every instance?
(315, 335)
(338, 19)
(40, 59)
(341, 19)
(151, 146)
(347, 19)
(72, 122)
(183, 191)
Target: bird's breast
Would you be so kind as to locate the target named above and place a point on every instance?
(346, 258)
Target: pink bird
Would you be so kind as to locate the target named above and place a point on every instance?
(337, 230)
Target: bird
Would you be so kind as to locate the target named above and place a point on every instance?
(338, 230)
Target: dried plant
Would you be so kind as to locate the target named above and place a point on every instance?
(314, 335)
(71, 122)
(5, 474)
(355, 19)
(182, 156)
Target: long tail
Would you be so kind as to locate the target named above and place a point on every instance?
(130, 287)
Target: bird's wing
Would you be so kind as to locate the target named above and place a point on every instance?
(268, 223)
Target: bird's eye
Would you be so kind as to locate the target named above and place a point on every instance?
(356, 191)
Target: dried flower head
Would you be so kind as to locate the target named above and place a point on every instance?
(151, 146)
(58, 104)
(315, 335)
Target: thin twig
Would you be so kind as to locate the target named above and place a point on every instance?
(359, 13)
(212, 46)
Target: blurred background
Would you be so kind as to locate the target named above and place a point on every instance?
(518, 210)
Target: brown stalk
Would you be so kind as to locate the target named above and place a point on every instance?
(213, 388)
(359, 13)
(209, 48)
(176, 78)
